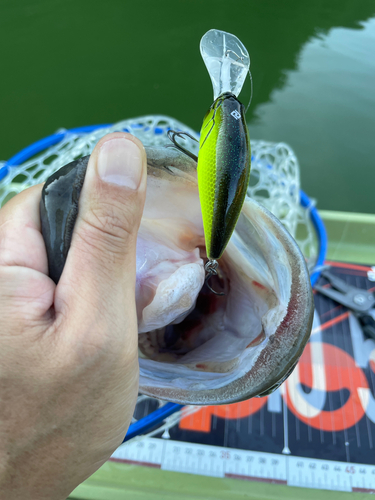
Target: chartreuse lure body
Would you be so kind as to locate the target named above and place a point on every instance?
(224, 157)
(223, 171)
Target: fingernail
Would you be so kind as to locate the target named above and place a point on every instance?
(120, 162)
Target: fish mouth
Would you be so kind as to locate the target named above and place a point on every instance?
(195, 339)
(224, 349)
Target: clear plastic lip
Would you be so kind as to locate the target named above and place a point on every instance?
(227, 61)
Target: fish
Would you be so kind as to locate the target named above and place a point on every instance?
(197, 347)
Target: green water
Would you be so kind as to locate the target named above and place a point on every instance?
(66, 63)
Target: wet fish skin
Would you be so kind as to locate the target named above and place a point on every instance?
(59, 211)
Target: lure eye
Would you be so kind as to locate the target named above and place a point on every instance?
(227, 61)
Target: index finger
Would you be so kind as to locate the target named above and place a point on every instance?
(21, 240)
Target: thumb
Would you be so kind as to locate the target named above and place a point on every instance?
(101, 264)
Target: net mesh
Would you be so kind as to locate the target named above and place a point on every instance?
(274, 179)
(274, 182)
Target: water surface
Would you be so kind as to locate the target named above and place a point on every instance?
(66, 63)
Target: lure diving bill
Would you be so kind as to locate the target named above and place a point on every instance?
(224, 157)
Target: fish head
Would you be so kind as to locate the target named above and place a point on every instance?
(197, 347)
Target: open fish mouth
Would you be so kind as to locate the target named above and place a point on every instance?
(223, 349)
(196, 347)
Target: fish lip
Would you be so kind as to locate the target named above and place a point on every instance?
(259, 379)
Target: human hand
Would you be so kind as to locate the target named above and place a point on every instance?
(68, 353)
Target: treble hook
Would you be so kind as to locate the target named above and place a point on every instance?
(211, 270)
(171, 136)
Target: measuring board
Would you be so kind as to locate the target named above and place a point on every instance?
(316, 431)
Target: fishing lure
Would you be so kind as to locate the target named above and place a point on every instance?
(224, 157)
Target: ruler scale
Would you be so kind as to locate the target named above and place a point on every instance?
(273, 468)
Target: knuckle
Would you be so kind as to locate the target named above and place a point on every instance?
(107, 226)
(112, 218)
